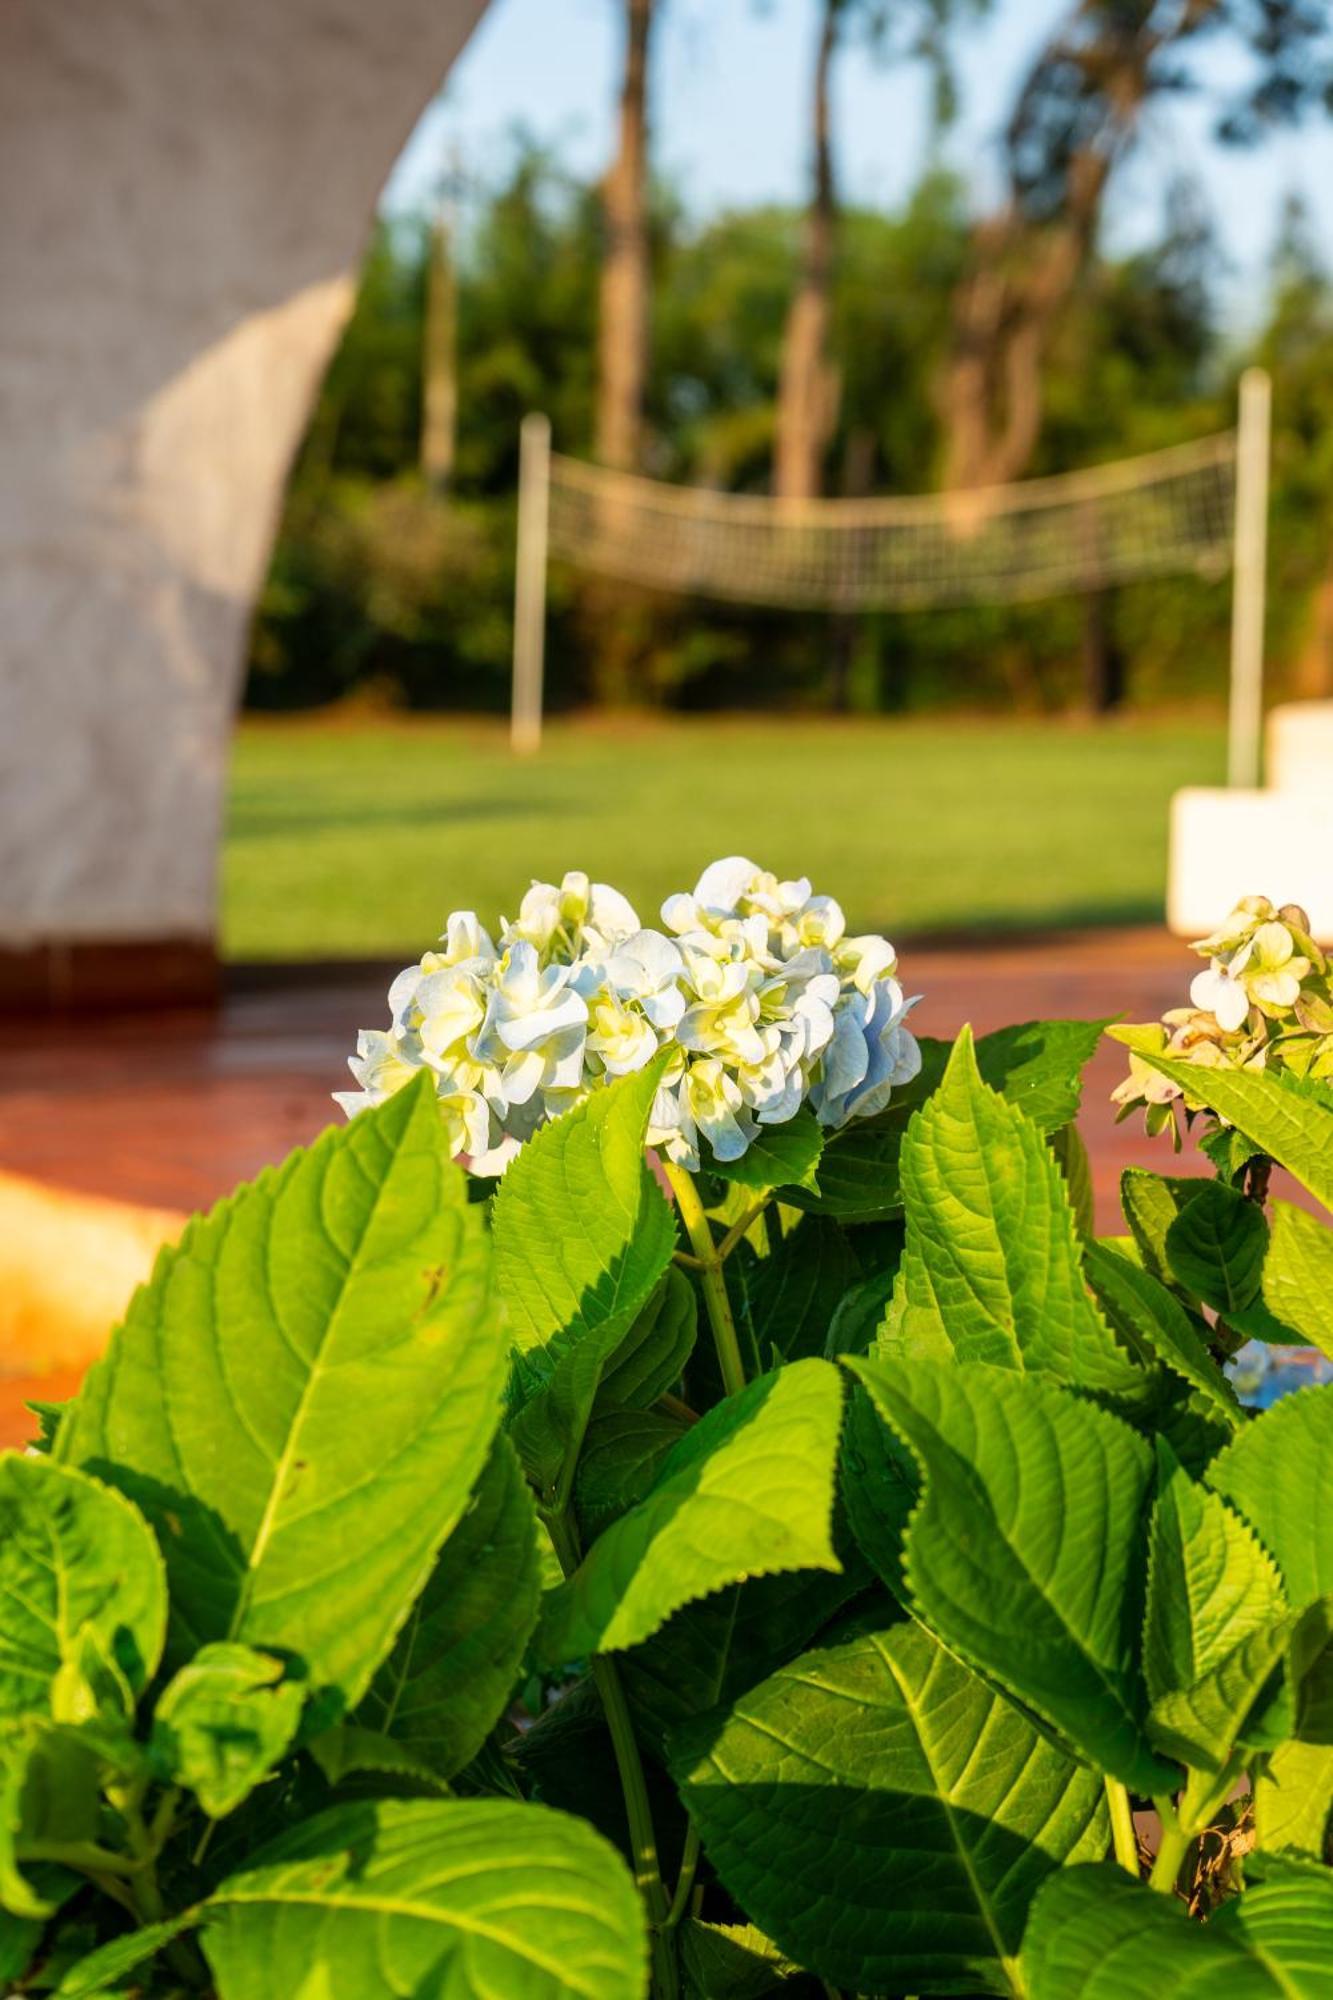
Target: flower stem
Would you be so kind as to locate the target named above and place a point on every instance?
(689, 1861)
(1172, 1851)
(1122, 1827)
(714, 1285)
(633, 1785)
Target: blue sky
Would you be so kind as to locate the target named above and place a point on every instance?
(731, 82)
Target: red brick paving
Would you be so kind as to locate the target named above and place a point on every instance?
(172, 1109)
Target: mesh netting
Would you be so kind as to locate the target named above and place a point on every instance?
(1161, 515)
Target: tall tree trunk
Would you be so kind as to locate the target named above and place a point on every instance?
(623, 322)
(439, 362)
(808, 385)
(1005, 311)
(1077, 114)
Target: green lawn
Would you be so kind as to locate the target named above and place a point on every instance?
(355, 840)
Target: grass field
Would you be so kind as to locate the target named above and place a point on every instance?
(354, 839)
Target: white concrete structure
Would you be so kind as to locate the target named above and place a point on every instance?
(185, 193)
(1225, 845)
(1300, 747)
(1277, 842)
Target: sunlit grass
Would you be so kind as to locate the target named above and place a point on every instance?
(355, 839)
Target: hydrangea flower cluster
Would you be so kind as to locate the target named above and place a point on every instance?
(763, 999)
(1265, 996)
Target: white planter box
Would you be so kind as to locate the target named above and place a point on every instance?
(1300, 747)
(1229, 844)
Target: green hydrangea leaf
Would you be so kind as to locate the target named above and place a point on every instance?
(223, 1722)
(454, 1664)
(1272, 1474)
(1099, 1935)
(747, 1491)
(1072, 1158)
(854, 1327)
(652, 1356)
(784, 1302)
(992, 1268)
(732, 1959)
(621, 1458)
(1296, 1289)
(19, 1940)
(103, 1970)
(1216, 1622)
(713, 1650)
(78, 1564)
(1024, 1555)
(1292, 1124)
(1038, 1066)
(583, 1236)
(1293, 1800)
(464, 1898)
(1151, 1203)
(1210, 1585)
(1216, 1247)
(1151, 1313)
(884, 1815)
(302, 1397)
(881, 1485)
(858, 1174)
(569, 1763)
(349, 1749)
(49, 1802)
(779, 1156)
(1035, 1065)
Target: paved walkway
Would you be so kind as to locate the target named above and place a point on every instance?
(171, 1110)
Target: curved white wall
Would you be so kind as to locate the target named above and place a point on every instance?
(185, 192)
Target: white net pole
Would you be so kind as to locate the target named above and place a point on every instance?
(534, 490)
(1245, 729)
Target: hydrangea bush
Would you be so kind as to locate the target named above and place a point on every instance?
(762, 999)
(676, 1498)
(1264, 998)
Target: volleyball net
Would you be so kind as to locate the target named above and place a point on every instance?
(1158, 516)
(1194, 509)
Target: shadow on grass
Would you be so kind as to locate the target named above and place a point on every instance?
(268, 819)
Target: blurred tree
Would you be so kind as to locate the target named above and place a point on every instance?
(439, 350)
(810, 379)
(808, 388)
(1078, 114)
(377, 583)
(622, 330)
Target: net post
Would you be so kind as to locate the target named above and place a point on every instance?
(534, 489)
(1245, 722)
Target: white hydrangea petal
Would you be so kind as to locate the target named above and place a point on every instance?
(724, 882)
(530, 1029)
(492, 1163)
(1218, 994)
(465, 937)
(402, 994)
(612, 915)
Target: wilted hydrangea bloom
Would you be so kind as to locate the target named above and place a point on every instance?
(764, 1001)
(1265, 996)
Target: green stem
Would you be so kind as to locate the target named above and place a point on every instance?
(740, 1230)
(629, 1764)
(714, 1285)
(1172, 1851)
(85, 1855)
(1123, 1836)
(689, 1861)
